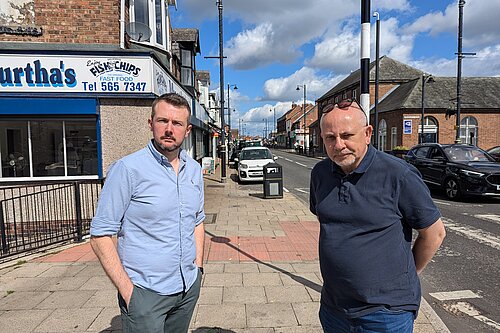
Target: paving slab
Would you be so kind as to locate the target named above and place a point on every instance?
(16, 321)
(246, 295)
(64, 283)
(223, 280)
(68, 320)
(241, 268)
(23, 300)
(261, 279)
(102, 298)
(22, 283)
(101, 282)
(59, 271)
(270, 315)
(226, 316)
(108, 320)
(28, 270)
(211, 295)
(307, 313)
(70, 299)
(287, 294)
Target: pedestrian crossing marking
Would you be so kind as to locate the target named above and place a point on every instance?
(454, 295)
(475, 234)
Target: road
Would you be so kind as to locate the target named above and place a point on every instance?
(462, 283)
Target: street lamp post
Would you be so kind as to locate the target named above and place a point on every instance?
(303, 86)
(229, 109)
(425, 79)
(275, 129)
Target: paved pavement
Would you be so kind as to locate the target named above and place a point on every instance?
(261, 275)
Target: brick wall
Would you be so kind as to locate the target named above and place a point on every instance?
(74, 21)
(488, 127)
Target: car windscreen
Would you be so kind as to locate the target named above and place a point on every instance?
(256, 154)
(466, 154)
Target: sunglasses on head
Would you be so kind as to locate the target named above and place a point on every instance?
(343, 104)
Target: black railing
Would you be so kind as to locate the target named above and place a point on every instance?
(38, 215)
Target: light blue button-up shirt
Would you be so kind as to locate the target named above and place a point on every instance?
(153, 211)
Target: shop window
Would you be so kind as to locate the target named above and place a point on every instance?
(48, 148)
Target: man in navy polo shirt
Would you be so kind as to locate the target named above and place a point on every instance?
(368, 203)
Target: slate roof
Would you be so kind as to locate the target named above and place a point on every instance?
(190, 35)
(477, 93)
(390, 70)
(203, 75)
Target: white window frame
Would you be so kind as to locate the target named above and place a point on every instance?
(382, 134)
(394, 137)
(467, 125)
(165, 44)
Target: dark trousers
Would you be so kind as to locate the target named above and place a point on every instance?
(149, 312)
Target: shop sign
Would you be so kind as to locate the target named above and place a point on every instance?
(163, 83)
(53, 73)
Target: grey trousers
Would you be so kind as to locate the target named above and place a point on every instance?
(149, 312)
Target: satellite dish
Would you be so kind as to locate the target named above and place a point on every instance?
(138, 31)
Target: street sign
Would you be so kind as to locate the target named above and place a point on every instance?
(407, 126)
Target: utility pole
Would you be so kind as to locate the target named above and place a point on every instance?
(377, 55)
(221, 87)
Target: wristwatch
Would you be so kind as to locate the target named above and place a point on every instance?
(201, 270)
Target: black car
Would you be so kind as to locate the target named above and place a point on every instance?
(495, 152)
(457, 168)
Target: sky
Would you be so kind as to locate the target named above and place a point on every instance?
(272, 46)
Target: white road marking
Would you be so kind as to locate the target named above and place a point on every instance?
(454, 295)
(475, 234)
(469, 310)
(301, 164)
(301, 190)
(489, 217)
(284, 189)
(442, 202)
(287, 159)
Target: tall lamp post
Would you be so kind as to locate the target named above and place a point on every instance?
(425, 79)
(229, 109)
(275, 129)
(303, 87)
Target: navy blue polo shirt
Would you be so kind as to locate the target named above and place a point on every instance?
(366, 221)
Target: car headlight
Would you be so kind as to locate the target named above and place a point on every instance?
(243, 166)
(472, 173)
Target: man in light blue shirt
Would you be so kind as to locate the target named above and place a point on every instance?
(152, 201)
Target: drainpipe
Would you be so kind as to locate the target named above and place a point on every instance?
(122, 24)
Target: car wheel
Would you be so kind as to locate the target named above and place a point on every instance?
(452, 189)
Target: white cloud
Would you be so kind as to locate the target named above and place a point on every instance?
(285, 88)
(471, 66)
(480, 22)
(251, 47)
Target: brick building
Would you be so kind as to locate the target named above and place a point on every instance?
(77, 79)
(400, 106)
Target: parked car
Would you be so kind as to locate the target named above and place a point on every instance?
(251, 163)
(243, 144)
(495, 152)
(457, 168)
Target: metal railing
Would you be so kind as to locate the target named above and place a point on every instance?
(38, 215)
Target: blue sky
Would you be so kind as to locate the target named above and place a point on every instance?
(274, 45)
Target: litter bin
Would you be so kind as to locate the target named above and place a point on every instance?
(273, 181)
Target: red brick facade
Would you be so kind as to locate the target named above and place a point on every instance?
(74, 21)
